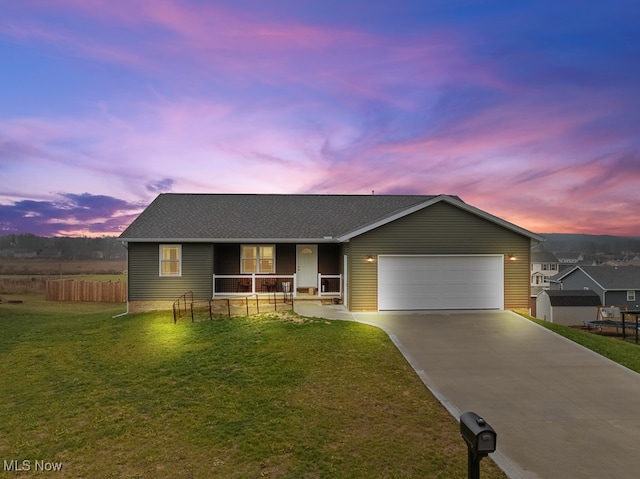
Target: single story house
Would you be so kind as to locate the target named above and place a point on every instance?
(567, 307)
(374, 252)
(616, 286)
(569, 257)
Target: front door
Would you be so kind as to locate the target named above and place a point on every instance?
(307, 261)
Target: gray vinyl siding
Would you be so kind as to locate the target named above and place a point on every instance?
(619, 298)
(438, 229)
(577, 280)
(146, 284)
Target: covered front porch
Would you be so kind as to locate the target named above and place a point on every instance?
(326, 285)
(291, 270)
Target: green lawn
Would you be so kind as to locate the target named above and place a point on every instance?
(624, 353)
(140, 397)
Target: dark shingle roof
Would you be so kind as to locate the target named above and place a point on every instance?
(615, 277)
(573, 298)
(249, 216)
(293, 218)
(543, 257)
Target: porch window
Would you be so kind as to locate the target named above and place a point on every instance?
(170, 260)
(631, 295)
(257, 259)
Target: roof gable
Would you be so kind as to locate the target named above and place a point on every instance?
(294, 218)
(454, 201)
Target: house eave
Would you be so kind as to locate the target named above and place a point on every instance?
(231, 240)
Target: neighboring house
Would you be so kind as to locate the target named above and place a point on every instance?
(544, 265)
(569, 257)
(630, 262)
(567, 307)
(616, 286)
(25, 253)
(376, 252)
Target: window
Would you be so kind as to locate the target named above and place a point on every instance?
(170, 260)
(545, 267)
(257, 259)
(553, 267)
(631, 295)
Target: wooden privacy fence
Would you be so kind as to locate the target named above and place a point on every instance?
(72, 290)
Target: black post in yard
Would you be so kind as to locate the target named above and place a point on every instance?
(480, 438)
(632, 323)
(473, 464)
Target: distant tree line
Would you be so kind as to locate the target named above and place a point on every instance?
(591, 244)
(108, 247)
(31, 246)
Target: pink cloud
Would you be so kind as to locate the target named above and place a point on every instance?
(253, 47)
(268, 104)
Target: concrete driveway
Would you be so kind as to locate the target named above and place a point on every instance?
(560, 410)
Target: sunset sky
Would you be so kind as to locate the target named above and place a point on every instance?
(529, 110)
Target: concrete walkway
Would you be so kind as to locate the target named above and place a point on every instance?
(560, 410)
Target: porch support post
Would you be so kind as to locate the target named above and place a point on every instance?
(253, 283)
(213, 287)
(295, 285)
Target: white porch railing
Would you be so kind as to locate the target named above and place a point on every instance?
(329, 284)
(246, 284)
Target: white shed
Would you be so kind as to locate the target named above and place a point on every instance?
(567, 307)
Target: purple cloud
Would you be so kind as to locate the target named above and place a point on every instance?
(160, 186)
(527, 110)
(71, 214)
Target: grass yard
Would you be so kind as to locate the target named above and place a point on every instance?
(625, 353)
(140, 397)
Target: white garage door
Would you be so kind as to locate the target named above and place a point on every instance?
(440, 282)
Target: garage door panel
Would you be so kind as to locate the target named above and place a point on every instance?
(440, 282)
